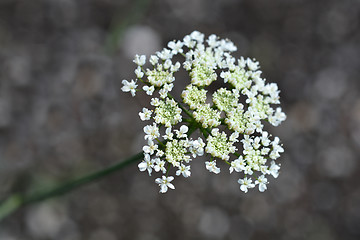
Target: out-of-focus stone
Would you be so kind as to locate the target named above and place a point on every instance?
(240, 228)
(18, 70)
(103, 234)
(141, 40)
(352, 210)
(290, 183)
(5, 113)
(324, 196)
(46, 220)
(62, 13)
(331, 84)
(256, 209)
(214, 223)
(336, 161)
(89, 81)
(5, 236)
(304, 116)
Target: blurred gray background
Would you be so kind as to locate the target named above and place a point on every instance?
(62, 114)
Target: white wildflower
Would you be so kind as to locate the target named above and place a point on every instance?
(252, 65)
(153, 59)
(146, 164)
(197, 147)
(165, 54)
(159, 165)
(197, 36)
(150, 148)
(140, 60)
(274, 169)
(262, 181)
(238, 165)
(176, 47)
(188, 42)
(129, 87)
(149, 90)
(175, 67)
(212, 41)
(151, 131)
(211, 166)
(167, 64)
(139, 73)
(245, 184)
(264, 139)
(182, 132)
(165, 183)
(184, 170)
(168, 134)
(145, 114)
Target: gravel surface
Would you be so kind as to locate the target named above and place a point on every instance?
(62, 114)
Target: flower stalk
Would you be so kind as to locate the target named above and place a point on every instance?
(19, 200)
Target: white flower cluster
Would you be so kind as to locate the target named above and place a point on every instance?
(231, 120)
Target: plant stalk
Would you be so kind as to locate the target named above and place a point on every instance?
(18, 200)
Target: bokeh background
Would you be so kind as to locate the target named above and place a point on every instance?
(62, 114)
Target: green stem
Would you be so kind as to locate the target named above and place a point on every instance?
(18, 200)
(227, 163)
(204, 132)
(10, 205)
(160, 142)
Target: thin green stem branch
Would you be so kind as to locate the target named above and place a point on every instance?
(18, 200)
